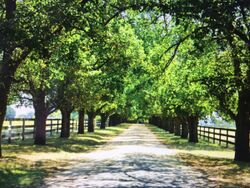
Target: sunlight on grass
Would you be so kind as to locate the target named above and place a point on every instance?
(26, 165)
(183, 146)
(212, 159)
(15, 172)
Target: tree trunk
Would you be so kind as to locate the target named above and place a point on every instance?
(177, 127)
(81, 121)
(40, 118)
(184, 130)
(171, 125)
(193, 129)
(164, 123)
(7, 70)
(6, 77)
(157, 122)
(161, 123)
(104, 119)
(7, 66)
(114, 119)
(91, 121)
(243, 127)
(111, 120)
(242, 118)
(65, 129)
(150, 120)
(3, 105)
(153, 120)
(167, 126)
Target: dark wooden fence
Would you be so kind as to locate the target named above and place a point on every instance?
(24, 128)
(222, 136)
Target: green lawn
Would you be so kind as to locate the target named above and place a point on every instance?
(214, 160)
(26, 165)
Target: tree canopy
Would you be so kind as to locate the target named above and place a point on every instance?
(178, 60)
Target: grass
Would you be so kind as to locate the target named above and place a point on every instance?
(26, 165)
(212, 159)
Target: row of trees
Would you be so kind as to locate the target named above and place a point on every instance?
(196, 64)
(221, 32)
(178, 60)
(53, 60)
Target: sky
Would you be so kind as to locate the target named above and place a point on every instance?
(22, 110)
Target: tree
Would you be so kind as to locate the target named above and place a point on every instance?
(29, 25)
(81, 114)
(116, 49)
(70, 62)
(34, 80)
(225, 22)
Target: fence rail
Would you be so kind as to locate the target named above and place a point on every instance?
(222, 136)
(24, 128)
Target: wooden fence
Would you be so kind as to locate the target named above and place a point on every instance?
(222, 136)
(24, 128)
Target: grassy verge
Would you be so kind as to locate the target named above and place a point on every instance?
(26, 165)
(214, 160)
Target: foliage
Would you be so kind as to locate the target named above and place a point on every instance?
(135, 58)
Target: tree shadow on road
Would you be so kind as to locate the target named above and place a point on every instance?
(16, 171)
(132, 171)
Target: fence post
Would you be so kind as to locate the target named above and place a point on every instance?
(51, 127)
(76, 124)
(214, 135)
(23, 129)
(208, 133)
(204, 136)
(220, 138)
(9, 131)
(34, 129)
(57, 126)
(227, 139)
